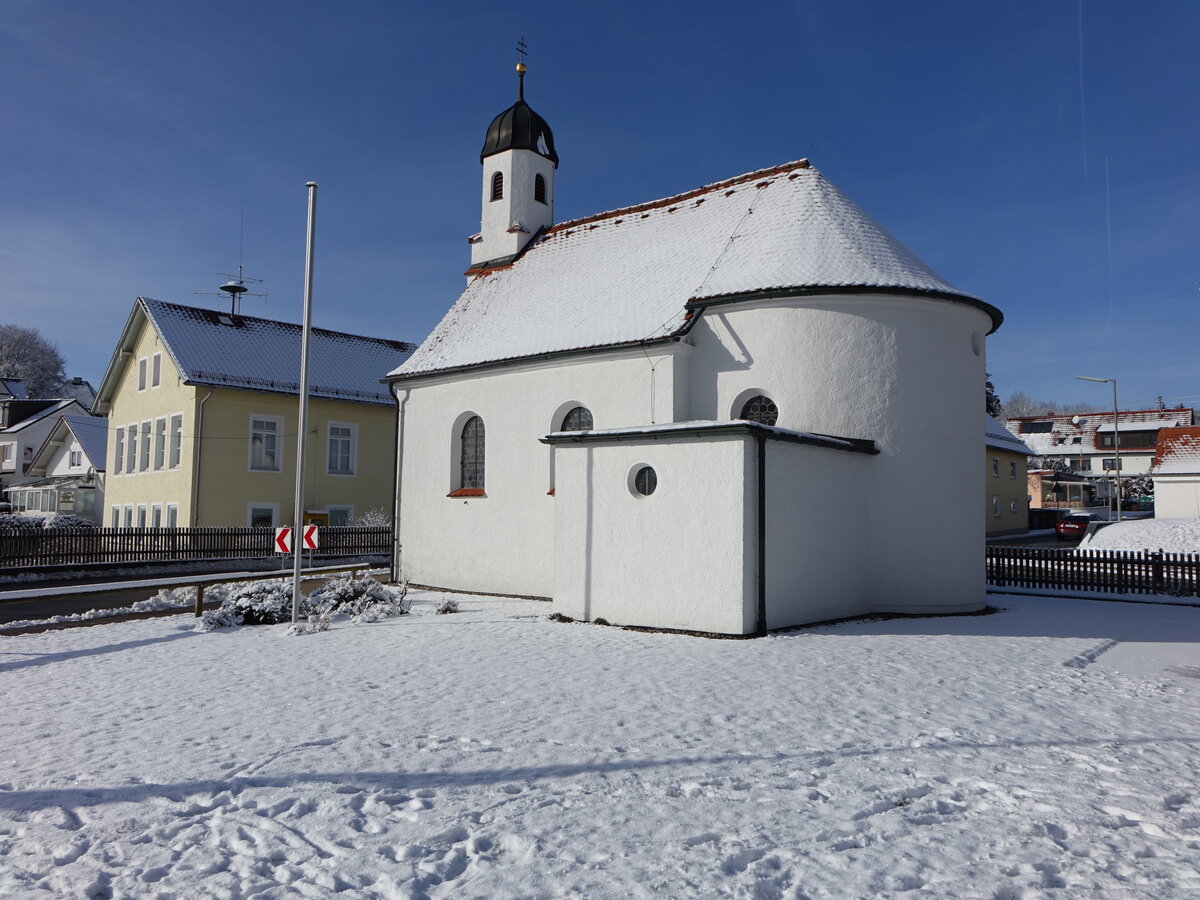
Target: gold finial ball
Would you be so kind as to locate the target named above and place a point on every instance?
(520, 68)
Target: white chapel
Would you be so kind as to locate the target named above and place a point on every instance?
(737, 409)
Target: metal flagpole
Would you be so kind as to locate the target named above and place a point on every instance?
(302, 429)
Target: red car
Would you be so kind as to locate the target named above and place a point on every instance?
(1073, 526)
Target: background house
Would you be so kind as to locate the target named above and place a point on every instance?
(1176, 474)
(24, 426)
(67, 471)
(203, 411)
(1005, 478)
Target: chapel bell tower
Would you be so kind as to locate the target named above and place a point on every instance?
(518, 182)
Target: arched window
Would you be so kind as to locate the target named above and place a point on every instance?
(578, 419)
(471, 459)
(498, 186)
(760, 409)
(539, 189)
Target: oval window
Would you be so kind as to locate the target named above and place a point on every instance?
(760, 409)
(645, 480)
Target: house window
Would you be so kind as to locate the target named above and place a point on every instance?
(1012, 506)
(1143, 440)
(498, 186)
(539, 188)
(262, 515)
(1110, 464)
(128, 516)
(341, 449)
(264, 443)
(131, 450)
(1077, 440)
(156, 516)
(156, 370)
(142, 374)
(160, 442)
(6, 455)
(472, 459)
(172, 515)
(760, 409)
(176, 439)
(119, 455)
(141, 518)
(145, 448)
(340, 516)
(1085, 464)
(996, 505)
(114, 519)
(76, 459)
(1012, 468)
(1036, 427)
(995, 467)
(578, 419)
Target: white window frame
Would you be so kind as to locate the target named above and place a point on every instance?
(144, 447)
(156, 370)
(115, 517)
(1012, 468)
(141, 376)
(175, 438)
(353, 454)
(996, 505)
(75, 458)
(8, 456)
(142, 515)
(131, 455)
(251, 507)
(172, 515)
(156, 515)
(160, 443)
(278, 420)
(119, 451)
(995, 467)
(128, 518)
(331, 507)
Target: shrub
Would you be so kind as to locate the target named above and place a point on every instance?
(376, 516)
(600, 621)
(365, 600)
(18, 521)
(66, 520)
(446, 606)
(559, 617)
(255, 603)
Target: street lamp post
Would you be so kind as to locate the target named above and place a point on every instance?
(1116, 435)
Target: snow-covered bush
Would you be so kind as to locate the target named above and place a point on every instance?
(255, 603)
(365, 600)
(66, 520)
(16, 520)
(446, 606)
(377, 516)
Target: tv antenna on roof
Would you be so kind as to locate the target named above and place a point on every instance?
(236, 285)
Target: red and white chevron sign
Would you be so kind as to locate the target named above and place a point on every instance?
(283, 540)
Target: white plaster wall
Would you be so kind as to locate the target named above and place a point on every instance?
(682, 557)
(818, 503)
(901, 371)
(504, 542)
(1177, 496)
(518, 168)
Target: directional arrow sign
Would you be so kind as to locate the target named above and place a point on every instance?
(310, 537)
(283, 540)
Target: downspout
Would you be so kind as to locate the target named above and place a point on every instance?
(762, 533)
(395, 575)
(196, 459)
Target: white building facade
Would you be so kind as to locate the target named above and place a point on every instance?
(732, 410)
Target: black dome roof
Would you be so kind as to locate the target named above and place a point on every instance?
(519, 128)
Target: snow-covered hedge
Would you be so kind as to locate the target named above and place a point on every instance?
(270, 603)
(365, 600)
(58, 520)
(255, 603)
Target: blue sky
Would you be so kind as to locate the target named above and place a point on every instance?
(1044, 156)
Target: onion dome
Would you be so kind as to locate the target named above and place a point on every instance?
(519, 128)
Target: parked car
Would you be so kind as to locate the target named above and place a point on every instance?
(1074, 525)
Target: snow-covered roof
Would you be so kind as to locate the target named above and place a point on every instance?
(92, 434)
(1169, 535)
(713, 426)
(217, 348)
(628, 275)
(1178, 452)
(999, 437)
(54, 409)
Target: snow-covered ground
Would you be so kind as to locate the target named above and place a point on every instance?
(1171, 535)
(1052, 749)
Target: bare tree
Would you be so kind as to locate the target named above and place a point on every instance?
(25, 354)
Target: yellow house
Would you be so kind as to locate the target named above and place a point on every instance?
(1005, 479)
(203, 408)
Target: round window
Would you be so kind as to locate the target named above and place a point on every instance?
(645, 480)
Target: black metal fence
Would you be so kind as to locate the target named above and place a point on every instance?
(1104, 571)
(21, 547)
